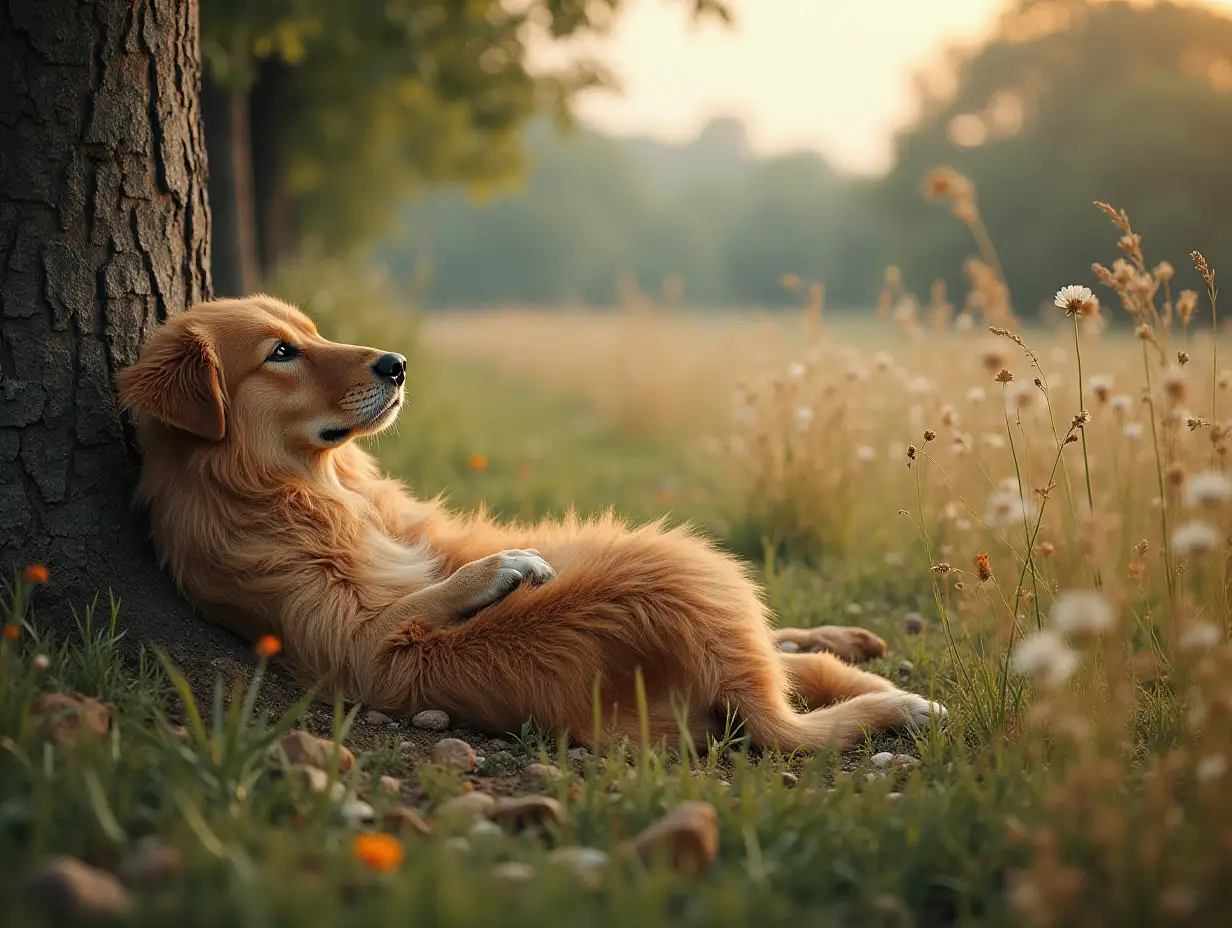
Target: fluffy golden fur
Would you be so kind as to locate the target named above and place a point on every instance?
(273, 521)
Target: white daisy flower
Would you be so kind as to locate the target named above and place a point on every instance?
(1076, 301)
(1194, 537)
(1207, 491)
(1079, 613)
(1045, 655)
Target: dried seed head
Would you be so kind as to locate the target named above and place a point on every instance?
(1047, 548)
(983, 569)
(942, 568)
(1123, 273)
(1004, 376)
(790, 282)
(1140, 547)
(1164, 271)
(1101, 386)
(1174, 473)
(943, 183)
(911, 453)
(1176, 385)
(1203, 268)
(1186, 303)
(1182, 357)
(929, 435)
(993, 356)
(1146, 333)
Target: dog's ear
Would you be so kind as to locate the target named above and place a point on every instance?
(176, 380)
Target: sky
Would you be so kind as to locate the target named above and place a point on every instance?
(827, 75)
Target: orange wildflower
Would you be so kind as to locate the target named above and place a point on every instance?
(379, 852)
(12, 632)
(35, 573)
(477, 462)
(983, 569)
(267, 646)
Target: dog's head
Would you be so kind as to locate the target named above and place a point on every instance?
(256, 370)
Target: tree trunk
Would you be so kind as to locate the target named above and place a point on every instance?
(104, 231)
(229, 146)
(272, 102)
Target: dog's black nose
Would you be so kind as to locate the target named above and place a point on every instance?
(391, 367)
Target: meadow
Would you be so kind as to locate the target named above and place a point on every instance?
(1034, 517)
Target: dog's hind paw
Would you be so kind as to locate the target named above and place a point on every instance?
(919, 710)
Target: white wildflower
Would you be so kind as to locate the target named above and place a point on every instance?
(1045, 655)
(1194, 537)
(1121, 404)
(795, 371)
(992, 441)
(1101, 386)
(975, 395)
(1132, 430)
(1199, 637)
(1076, 301)
(964, 322)
(883, 360)
(1210, 768)
(804, 415)
(1207, 491)
(865, 453)
(1079, 613)
(1006, 508)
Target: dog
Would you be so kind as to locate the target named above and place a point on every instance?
(273, 521)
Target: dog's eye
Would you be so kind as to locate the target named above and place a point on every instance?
(283, 351)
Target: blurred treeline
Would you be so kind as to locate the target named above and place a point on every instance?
(1070, 101)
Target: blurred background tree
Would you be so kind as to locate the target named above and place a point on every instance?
(1067, 102)
(321, 116)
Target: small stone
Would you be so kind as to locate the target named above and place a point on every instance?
(407, 747)
(388, 784)
(527, 812)
(356, 812)
(402, 817)
(546, 772)
(60, 716)
(313, 779)
(69, 892)
(467, 806)
(905, 669)
(431, 720)
(581, 859)
(894, 796)
(151, 864)
(458, 845)
(688, 836)
(905, 761)
(300, 747)
(497, 745)
(376, 718)
(854, 609)
(882, 760)
(789, 647)
(513, 871)
(454, 753)
(913, 622)
(482, 828)
(578, 755)
(790, 779)
(180, 732)
(874, 776)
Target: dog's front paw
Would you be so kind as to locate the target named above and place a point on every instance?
(512, 569)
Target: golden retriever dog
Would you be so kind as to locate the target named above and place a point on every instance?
(273, 521)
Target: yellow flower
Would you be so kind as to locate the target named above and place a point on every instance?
(267, 646)
(381, 853)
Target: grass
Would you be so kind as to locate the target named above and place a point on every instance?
(1070, 572)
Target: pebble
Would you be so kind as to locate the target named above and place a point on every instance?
(854, 609)
(546, 772)
(431, 720)
(300, 747)
(151, 864)
(513, 871)
(789, 647)
(401, 817)
(688, 836)
(69, 892)
(407, 747)
(60, 716)
(482, 828)
(315, 780)
(527, 812)
(497, 745)
(454, 753)
(377, 718)
(913, 622)
(468, 805)
(790, 779)
(388, 784)
(356, 812)
(458, 845)
(578, 755)
(882, 760)
(874, 776)
(905, 669)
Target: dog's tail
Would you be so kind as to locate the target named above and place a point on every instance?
(771, 722)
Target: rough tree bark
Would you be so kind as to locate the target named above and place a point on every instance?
(104, 231)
